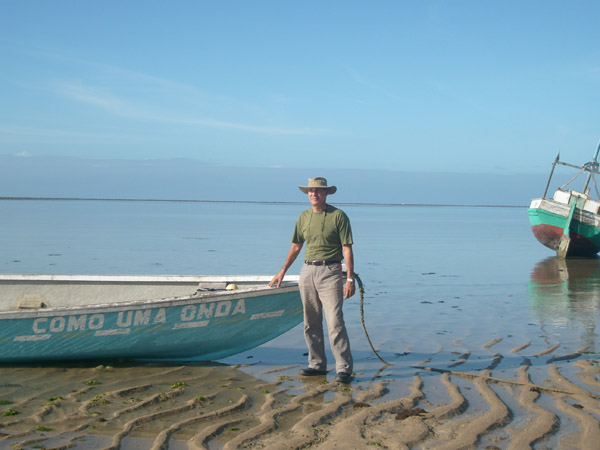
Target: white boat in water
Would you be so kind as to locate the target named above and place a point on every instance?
(569, 221)
(75, 317)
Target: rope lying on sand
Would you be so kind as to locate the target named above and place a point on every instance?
(361, 289)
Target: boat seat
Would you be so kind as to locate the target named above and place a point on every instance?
(207, 286)
(31, 302)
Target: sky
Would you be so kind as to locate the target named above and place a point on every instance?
(418, 86)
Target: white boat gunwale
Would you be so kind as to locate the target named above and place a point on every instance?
(143, 304)
(143, 278)
(199, 297)
(558, 208)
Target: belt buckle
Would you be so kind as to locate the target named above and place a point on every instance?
(315, 263)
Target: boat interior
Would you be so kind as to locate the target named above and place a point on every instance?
(31, 292)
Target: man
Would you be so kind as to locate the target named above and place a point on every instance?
(328, 236)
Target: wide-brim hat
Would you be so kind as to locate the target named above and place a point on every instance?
(318, 183)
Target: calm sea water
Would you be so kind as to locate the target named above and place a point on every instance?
(438, 280)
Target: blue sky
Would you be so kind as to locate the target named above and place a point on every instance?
(461, 86)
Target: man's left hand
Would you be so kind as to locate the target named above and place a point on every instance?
(349, 289)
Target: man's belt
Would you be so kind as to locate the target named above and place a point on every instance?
(321, 263)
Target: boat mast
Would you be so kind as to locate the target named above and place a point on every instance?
(591, 166)
(552, 172)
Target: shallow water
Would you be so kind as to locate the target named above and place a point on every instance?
(460, 289)
(438, 280)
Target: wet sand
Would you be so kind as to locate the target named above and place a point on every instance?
(209, 406)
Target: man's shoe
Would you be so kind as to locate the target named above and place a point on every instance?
(310, 372)
(343, 377)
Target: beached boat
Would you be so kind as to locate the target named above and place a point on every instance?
(569, 222)
(75, 317)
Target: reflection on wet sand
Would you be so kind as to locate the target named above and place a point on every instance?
(580, 276)
(566, 292)
(572, 281)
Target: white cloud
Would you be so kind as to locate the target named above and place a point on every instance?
(99, 98)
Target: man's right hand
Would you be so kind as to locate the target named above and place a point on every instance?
(291, 257)
(277, 279)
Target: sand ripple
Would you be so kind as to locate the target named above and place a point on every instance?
(212, 406)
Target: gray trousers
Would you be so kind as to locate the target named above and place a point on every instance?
(322, 290)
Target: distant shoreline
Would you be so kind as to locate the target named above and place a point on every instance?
(254, 202)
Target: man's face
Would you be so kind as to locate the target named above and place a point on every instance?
(317, 196)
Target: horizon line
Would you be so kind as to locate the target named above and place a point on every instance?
(262, 202)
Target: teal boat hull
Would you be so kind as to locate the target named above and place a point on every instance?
(549, 219)
(203, 326)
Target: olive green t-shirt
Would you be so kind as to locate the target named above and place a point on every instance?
(324, 233)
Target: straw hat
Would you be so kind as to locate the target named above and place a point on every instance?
(318, 183)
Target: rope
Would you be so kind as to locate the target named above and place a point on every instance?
(361, 289)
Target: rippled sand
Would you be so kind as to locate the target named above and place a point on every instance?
(215, 406)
